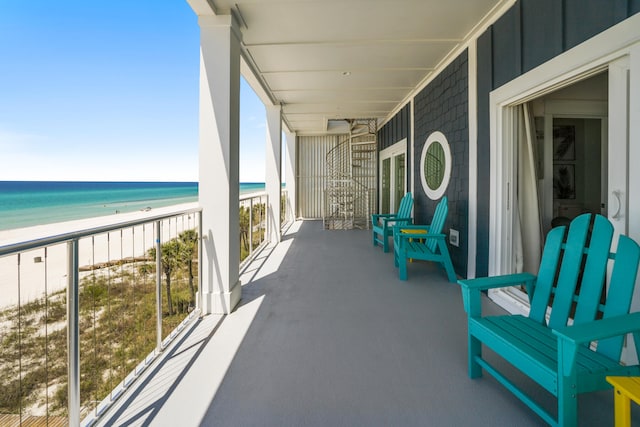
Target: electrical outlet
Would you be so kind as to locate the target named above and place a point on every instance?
(454, 237)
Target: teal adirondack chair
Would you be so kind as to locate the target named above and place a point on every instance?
(383, 223)
(556, 356)
(424, 242)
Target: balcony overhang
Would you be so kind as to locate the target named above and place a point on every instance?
(323, 61)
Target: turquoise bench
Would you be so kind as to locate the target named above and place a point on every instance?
(423, 242)
(554, 351)
(383, 223)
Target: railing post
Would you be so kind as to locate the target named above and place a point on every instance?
(367, 211)
(200, 252)
(250, 226)
(73, 334)
(267, 229)
(158, 288)
(284, 198)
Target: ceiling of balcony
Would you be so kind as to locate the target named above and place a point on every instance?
(340, 59)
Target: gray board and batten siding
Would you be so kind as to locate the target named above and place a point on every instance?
(396, 129)
(527, 35)
(443, 105)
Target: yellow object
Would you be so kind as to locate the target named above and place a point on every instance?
(412, 231)
(409, 230)
(625, 390)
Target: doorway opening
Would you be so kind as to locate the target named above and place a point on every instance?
(558, 168)
(572, 146)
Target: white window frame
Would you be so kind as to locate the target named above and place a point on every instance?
(439, 137)
(390, 152)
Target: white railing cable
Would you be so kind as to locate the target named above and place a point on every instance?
(78, 234)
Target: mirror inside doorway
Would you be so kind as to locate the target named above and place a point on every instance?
(561, 162)
(572, 151)
(577, 168)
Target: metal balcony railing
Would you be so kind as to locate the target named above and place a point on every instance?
(254, 227)
(253, 224)
(83, 313)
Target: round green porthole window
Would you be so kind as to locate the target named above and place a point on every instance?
(435, 165)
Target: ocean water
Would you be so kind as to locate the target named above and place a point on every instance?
(29, 203)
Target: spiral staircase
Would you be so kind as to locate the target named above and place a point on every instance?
(350, 187)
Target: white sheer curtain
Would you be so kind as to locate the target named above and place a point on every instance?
(528, 229)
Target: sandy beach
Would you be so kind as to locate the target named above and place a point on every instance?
(35, 273)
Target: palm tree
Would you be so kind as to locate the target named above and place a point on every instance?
(171, 260)
(244, 231)
(189, 242)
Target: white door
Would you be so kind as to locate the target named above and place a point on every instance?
(393, 176)
(618, 176)
(618, 158)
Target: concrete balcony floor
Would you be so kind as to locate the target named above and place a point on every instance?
(326, 335)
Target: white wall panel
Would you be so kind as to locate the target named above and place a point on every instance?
(312, 173)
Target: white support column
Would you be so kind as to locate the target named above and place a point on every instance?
(472, 225)
(273, 170)
(412, 149)
(219, 162)
(290, 170)
(634, 155)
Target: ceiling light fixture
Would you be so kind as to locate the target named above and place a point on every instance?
(346, 73)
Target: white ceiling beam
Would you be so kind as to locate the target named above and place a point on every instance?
(351, 70)
(256, 84)
(355, 42)
(203, 7)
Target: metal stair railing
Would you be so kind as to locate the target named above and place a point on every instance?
(349, 191)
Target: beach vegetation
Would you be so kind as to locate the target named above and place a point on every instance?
(170, 255)
(252, 228)
(178, 254)
(244, 232)
(146, 268)
(283, 209)
(117, 330)
(189, 241)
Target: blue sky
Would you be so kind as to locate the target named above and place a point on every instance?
(107, 90)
